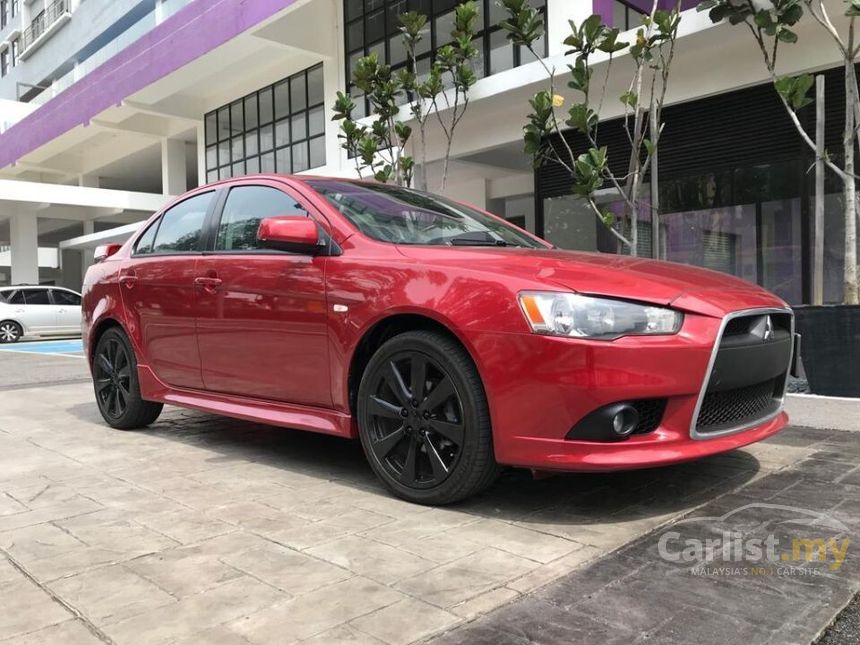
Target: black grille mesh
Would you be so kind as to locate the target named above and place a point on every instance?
(735, 407)
(650, 414)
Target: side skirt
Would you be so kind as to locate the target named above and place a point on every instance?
(286, 415)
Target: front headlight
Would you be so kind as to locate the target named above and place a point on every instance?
(570, 314)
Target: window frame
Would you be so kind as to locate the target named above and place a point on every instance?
(201, 242)
(391, 31)
(268, 114)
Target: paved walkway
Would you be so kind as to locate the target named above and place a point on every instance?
(203, 529)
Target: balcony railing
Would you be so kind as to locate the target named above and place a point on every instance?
(42, 22)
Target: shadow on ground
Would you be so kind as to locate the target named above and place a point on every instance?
(575, 499)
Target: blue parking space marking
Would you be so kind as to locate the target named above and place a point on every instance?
(46, 347)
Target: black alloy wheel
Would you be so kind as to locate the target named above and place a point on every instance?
(116, 386)
(112, 373)
(423, 419)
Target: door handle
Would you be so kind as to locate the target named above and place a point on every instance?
(208, 283)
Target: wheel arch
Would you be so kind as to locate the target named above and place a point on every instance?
(98, 331)
(388, 327)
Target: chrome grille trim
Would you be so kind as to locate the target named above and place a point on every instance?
(694, 434)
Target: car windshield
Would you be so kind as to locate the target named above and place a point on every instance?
(404, 216)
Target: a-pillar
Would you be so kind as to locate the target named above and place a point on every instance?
(560, 11)
(24, 233)
(174, 172)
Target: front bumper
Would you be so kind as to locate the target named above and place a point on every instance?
(539, 387)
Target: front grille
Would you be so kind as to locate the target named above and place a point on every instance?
(736, 407)
(650, 414)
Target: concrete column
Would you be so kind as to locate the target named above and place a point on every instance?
(24, 233)
(201, 154)
(71, 271)
(89, 181)
(559, 12)
(174, 175)
(472, 192)
(87, 254)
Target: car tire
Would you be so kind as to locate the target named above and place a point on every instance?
(116, 384)
(428, 439)
(10, 332)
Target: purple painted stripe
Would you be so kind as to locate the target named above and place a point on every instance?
(196, 29)
(604, 7)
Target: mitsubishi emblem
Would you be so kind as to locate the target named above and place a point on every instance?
(768, 329)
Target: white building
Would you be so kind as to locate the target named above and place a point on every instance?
(141, 100)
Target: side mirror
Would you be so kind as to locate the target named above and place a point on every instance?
(293, 233)
(104, 251)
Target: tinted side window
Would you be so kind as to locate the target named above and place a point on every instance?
(144, 242)
(36, 297)
(4, 296)
(16, 298)
(182, 226)
(246, 206)
(65, 297)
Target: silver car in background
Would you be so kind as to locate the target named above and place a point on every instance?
(38, 311)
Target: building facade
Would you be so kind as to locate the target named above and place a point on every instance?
(119, 105)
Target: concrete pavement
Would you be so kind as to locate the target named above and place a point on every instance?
(209, 530)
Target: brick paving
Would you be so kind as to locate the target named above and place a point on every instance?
(204, 529)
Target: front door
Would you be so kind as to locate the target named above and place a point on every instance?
(158, 291)
(261, 314)
(68, 306)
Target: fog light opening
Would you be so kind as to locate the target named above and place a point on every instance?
(624, 421)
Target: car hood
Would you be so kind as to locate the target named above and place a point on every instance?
(665, 283)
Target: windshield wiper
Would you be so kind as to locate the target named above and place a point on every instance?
(459, 241)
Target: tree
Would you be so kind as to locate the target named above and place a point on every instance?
(380, 147)
(771, 24)
(652, 54)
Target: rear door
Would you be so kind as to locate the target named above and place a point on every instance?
(158, 291)
(261, 313)
(67, 305)
(40, 314)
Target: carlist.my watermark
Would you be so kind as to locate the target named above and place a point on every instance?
(758, 539)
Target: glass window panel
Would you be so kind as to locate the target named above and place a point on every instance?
(300, 157)
(251, 119)
(282, 160)
(316, 121)
(501, 52)
(300, 127)
(354, 8)
(237, 117)
(238, 147)
(252, 165)
(239, 169)
(266, 112)
(374, 24)
(211, 128)
(251, 147)
(378, 49)
(144, 242)
(224, 152)
(444, 26)
(317, 157)
(355, 35)
(397, 50)
(267, 137)
(211, 157)
(282, 99)
(212, 175)
(223, 123)
(224, 172)
(267, 162)
(36, 297)
(478, 63)
(316, 89)
(298, 98)
(182, 225)
(282, 133)
(353, 61)
(395, 9)
(245, 208)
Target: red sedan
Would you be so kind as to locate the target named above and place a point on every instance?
(449, 341)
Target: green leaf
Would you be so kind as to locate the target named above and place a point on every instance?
(786, 35)
(630, 98)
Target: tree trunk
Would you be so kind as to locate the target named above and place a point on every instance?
(850, 294)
